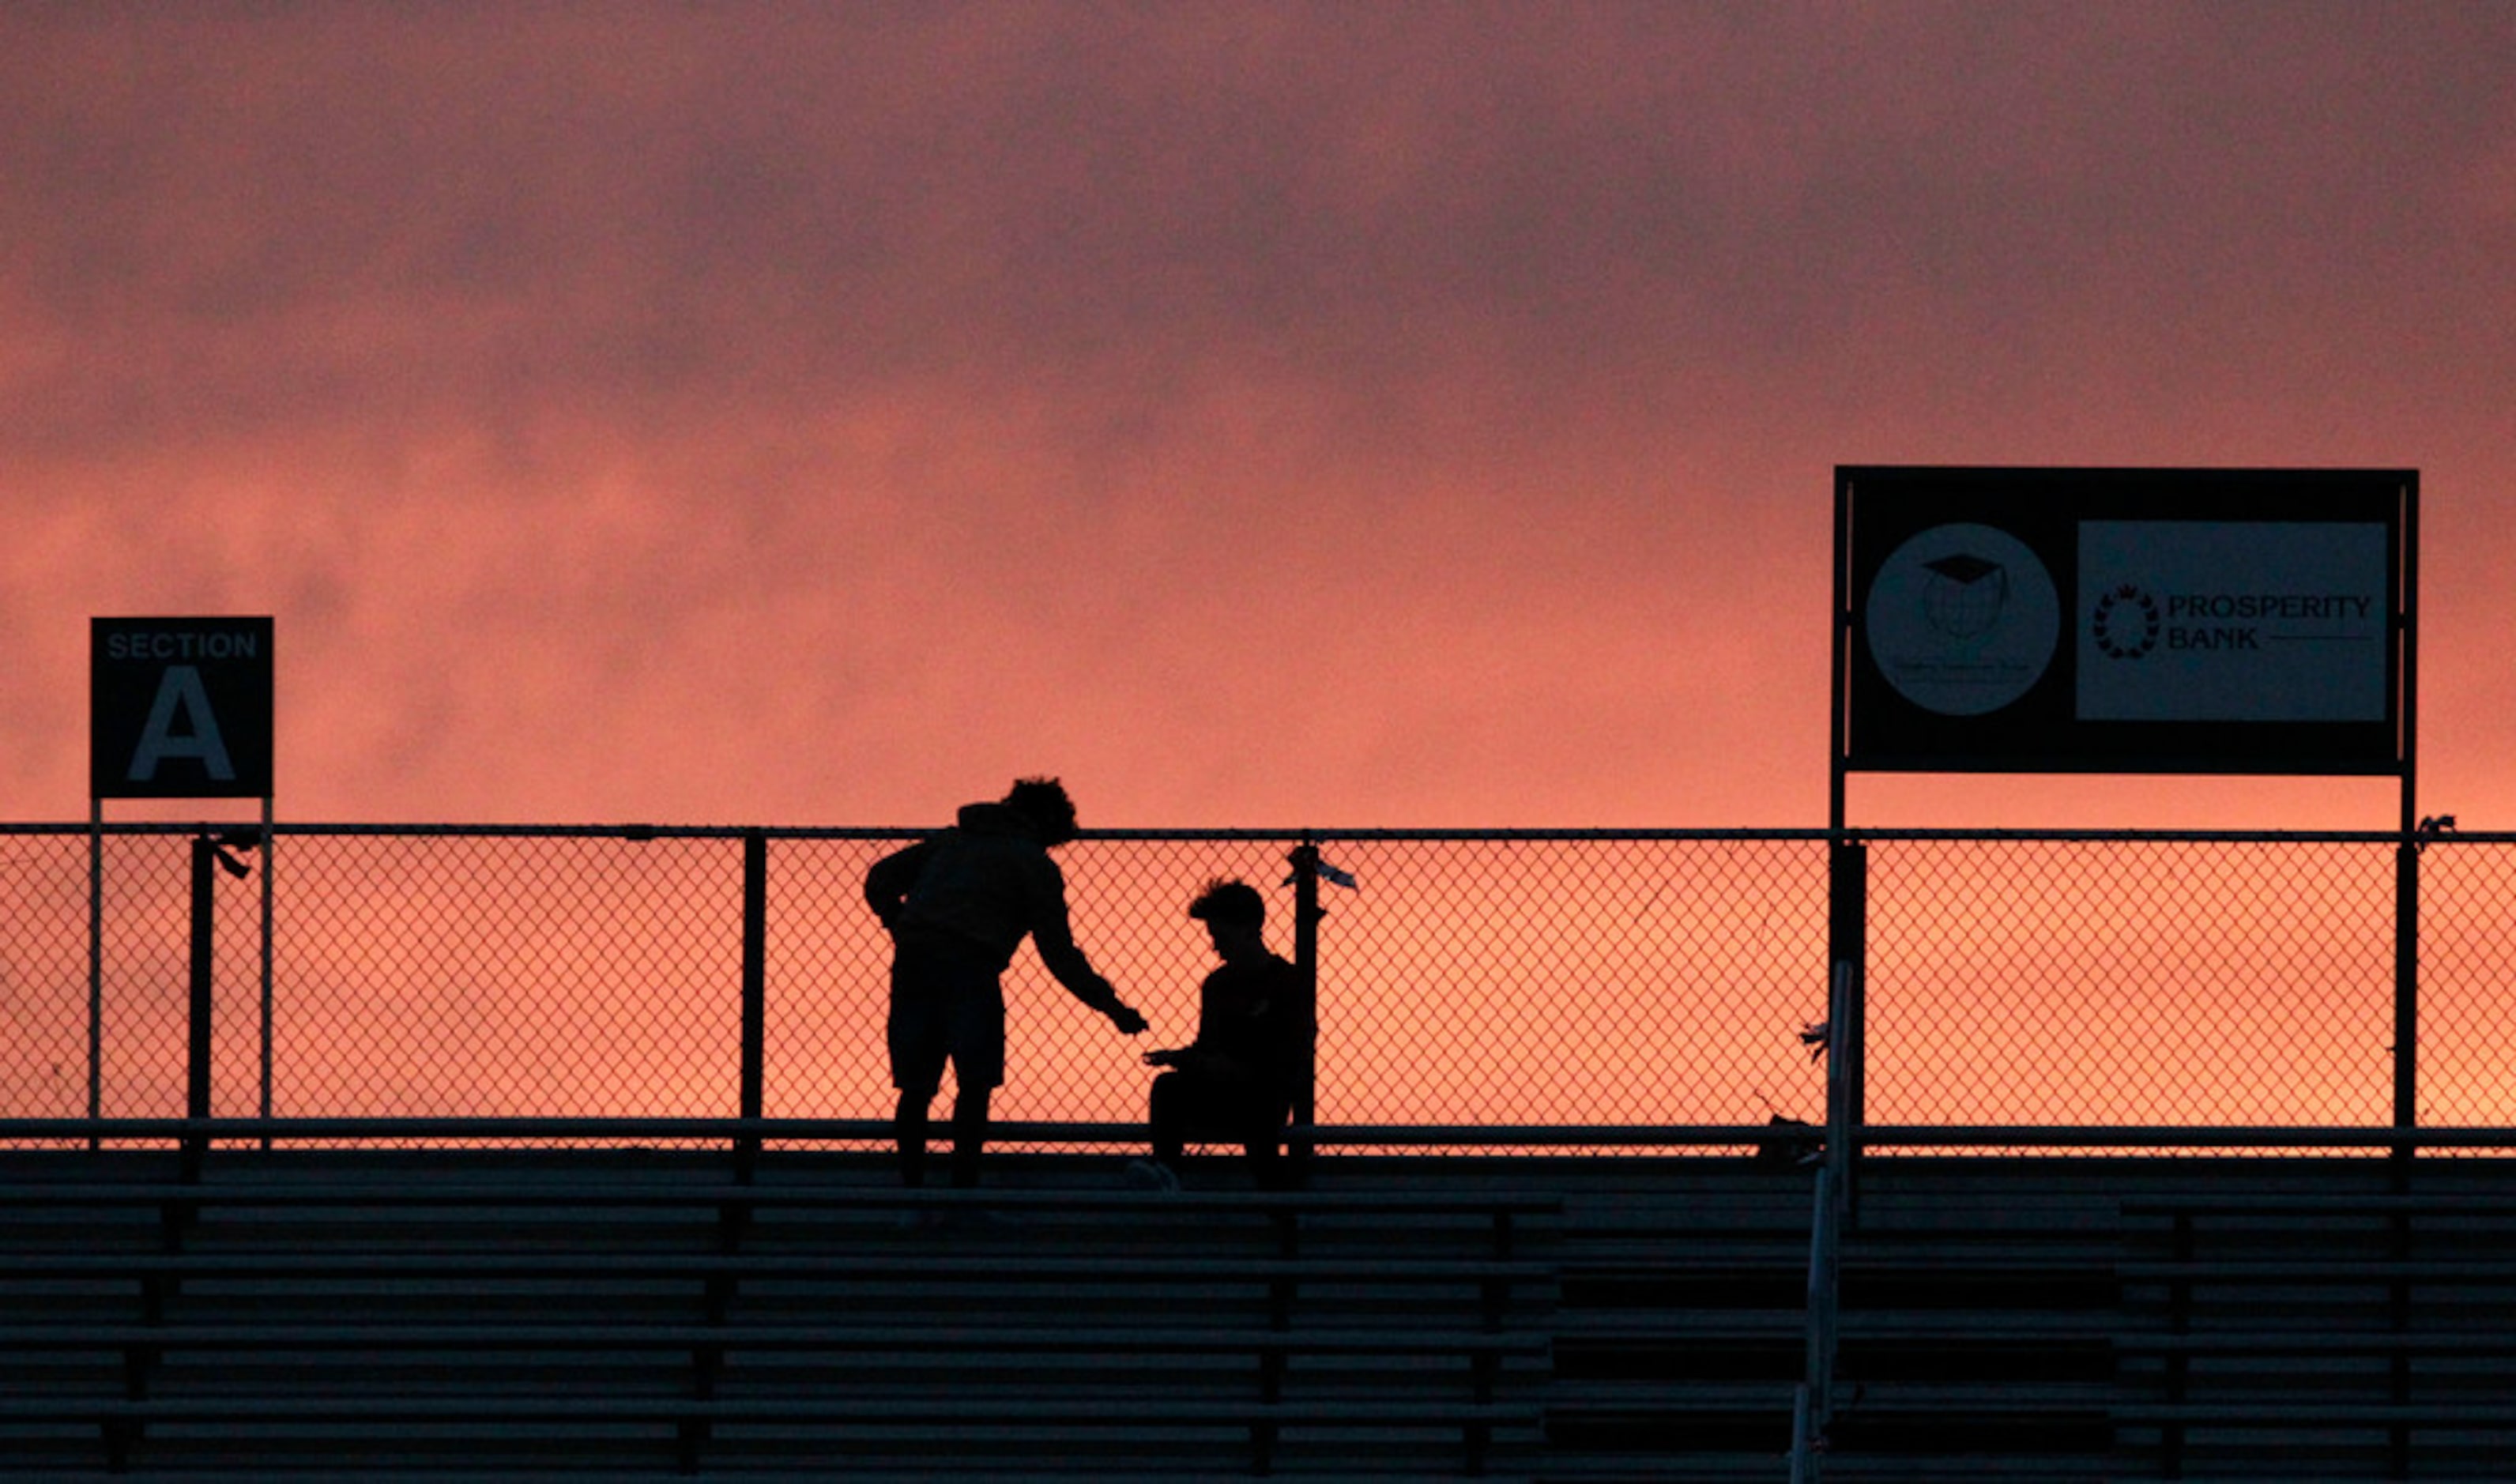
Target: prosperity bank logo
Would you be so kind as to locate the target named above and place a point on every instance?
(2125, 624)
(1962, 619)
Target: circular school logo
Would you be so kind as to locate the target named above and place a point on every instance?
(1964, 620)
(2125, 622)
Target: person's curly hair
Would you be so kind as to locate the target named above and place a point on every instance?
(1044, 802)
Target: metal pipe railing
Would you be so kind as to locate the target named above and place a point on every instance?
(1812, 1404)
(2279, 1138)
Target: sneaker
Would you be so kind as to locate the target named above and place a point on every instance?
(1153, 1175)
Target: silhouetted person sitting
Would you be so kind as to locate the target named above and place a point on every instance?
(957, 905)
(1236, 1081)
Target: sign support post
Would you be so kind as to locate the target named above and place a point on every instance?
(2407, 870)
(1847, 908)
(264, 1107)
(95, 962)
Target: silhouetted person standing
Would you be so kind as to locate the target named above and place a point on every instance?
(957, 905)
(1236, 1080)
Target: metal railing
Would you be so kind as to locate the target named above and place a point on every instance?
(1812, 1400)
(1591, 990)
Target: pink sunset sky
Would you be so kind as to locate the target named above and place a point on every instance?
(1261, 416)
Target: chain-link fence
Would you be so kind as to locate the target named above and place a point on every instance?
(1470, 980)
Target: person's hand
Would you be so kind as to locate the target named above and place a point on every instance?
(1161, 1058)
(1128, 1022)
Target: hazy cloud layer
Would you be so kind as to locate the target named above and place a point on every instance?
(1259, 414)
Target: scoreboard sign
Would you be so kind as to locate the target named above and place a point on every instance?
(180, 708)
(2158, 620)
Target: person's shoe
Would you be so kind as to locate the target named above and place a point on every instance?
(1153, 1175)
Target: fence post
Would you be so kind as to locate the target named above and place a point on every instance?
(1305, 860)
(2407, 990)
(262, 1104)
(755, 979)
(96, 965)
(197, 1063)
(209, 857)
(1847, 1012)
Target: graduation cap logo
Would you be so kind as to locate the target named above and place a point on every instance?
(1964, 594)
(1962, 619)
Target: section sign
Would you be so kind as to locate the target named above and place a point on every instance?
(180, 708)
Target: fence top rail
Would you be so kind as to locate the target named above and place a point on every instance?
(21, 1130)
(638, 833)
(1927, 1135)
(361, 1189)
(820, 1130)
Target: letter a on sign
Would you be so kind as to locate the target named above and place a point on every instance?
(180, 708)
(181, 691)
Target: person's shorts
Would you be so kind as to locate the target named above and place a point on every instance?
(946, 1006)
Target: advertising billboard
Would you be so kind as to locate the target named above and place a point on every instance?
(2134, 620)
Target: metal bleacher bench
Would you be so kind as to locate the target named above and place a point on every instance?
(766, 1315)
(2318, 1317)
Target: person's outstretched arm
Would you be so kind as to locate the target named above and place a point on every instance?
(1053, 934)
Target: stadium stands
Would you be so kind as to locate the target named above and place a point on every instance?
(615, 1313)
(626, 1314)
